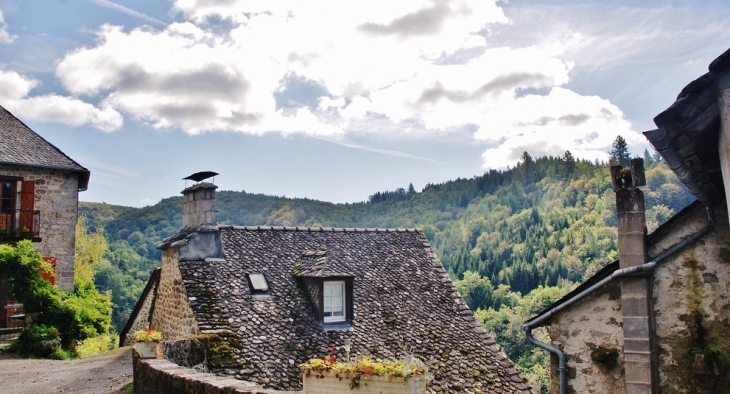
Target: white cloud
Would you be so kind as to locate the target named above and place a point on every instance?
(552, 124)
(5, 37)
(14, 95)
(327, 67)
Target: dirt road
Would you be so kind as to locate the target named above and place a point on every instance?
(103, 374)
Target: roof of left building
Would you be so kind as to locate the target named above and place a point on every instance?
(19, 145)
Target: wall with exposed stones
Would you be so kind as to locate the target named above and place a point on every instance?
(142, 319)
(159, 376)
(691, 306)
(591, 336)
(56, 197)
(172, 314)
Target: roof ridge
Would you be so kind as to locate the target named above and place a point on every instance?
(325, 229)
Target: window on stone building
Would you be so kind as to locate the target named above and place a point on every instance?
(333, 301)
(7, 204)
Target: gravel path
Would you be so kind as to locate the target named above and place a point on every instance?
(105, 373)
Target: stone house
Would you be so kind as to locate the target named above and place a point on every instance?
(274, 297)
(656, 320)
(40, 187)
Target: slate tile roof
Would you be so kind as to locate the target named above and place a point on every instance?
(693, 125)
(22, 146)
(404, 304)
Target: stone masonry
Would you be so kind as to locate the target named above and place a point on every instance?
(56, 197)
(172, 314)
(140, 319)
(690, 310)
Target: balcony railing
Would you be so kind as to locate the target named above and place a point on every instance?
(19, 224)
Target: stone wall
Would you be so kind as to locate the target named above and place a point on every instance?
(172, 314)
(56, 197)
(142, 320)
(591, 336)
(692, 308)
(691, 311)
(159, 376)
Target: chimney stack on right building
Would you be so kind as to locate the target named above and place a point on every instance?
(639, 362)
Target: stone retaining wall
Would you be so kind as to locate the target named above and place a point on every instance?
(159, 376)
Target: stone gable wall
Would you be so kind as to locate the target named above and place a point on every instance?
(587, 330)
(172, 314)
(692, 308)
(691, 305)
(56, 197)
(142, 320)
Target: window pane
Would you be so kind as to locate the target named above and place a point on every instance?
(333, 298)
(258, 282)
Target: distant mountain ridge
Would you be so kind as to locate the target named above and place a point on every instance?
(543, 220)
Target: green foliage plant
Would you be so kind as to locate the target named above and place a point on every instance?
(96, 345)
(714, 352)
(39, 340)
(75, 316)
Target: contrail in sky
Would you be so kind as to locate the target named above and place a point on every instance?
(128, 11)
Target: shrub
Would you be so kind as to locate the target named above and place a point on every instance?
(96, 345)
(39, 340)
(82, 314)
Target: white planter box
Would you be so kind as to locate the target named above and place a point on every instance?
(330, 384)
(146, 349)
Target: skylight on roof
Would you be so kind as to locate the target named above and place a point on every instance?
(258, 282)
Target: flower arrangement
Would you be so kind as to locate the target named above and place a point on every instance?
(148, 335)
(319, 367)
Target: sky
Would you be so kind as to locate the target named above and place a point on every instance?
(335, 100)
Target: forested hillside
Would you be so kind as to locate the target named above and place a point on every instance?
(513, 240)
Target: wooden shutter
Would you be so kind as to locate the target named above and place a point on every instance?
(27, 204)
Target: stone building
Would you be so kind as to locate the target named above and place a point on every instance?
(39, 194)
(656, 320)
(274, 297)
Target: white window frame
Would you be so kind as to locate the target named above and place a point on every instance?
(333, 283)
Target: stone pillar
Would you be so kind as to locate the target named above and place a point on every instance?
(639, 365)
(199, 205)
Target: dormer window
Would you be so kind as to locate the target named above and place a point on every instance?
(333, 299)
(329, 288)
(258, 284)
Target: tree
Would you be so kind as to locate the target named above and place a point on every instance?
(411, 189)
(527, 166)
(648, 159)
(89, 249)
(569, 162)
(620, 152)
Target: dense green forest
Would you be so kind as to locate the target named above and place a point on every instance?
(513, 241)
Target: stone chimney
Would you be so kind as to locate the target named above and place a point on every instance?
(639, 364)
(199, 208)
